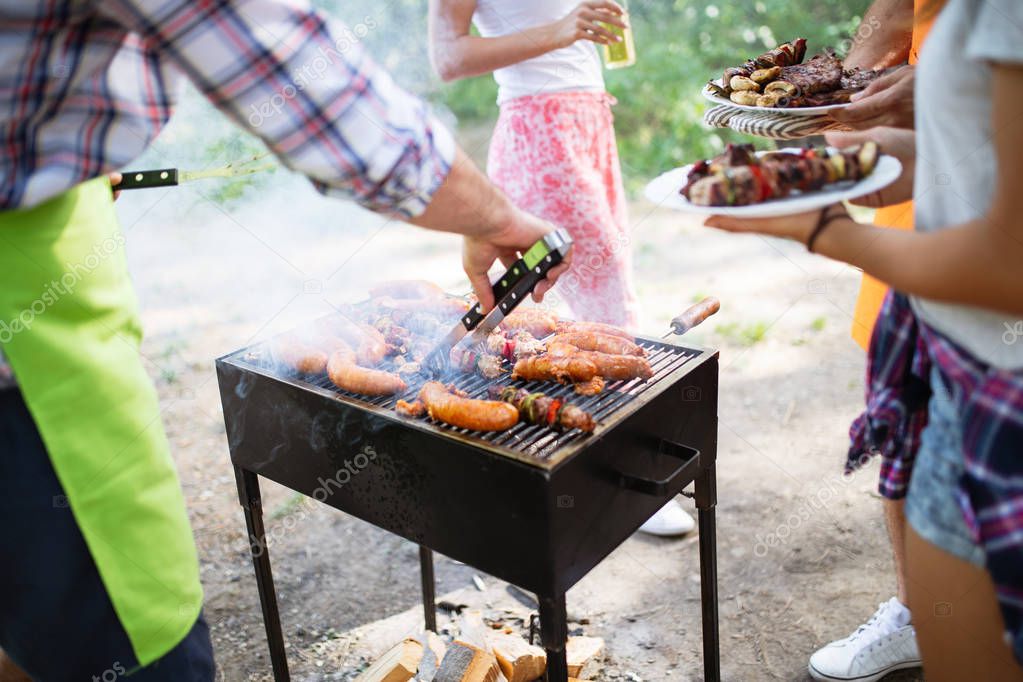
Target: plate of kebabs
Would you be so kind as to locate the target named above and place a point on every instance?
(780, 80)
(742, 182)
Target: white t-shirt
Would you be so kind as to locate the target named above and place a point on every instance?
(576, 67)
(956, 171)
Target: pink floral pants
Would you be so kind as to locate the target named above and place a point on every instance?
(555, 156)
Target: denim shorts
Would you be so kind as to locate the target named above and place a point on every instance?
(932, 505)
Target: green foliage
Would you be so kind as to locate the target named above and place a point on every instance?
(680, 45)
(746, 335)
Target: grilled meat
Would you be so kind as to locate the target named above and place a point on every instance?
(572, 327)
(539, 409)
(451, 406)
(346, 374)
(823, 73)
(539, 323)
(550, 368)
(512, 346)
(776, 175)
(592, 387)
(615, 367)
(602, 343)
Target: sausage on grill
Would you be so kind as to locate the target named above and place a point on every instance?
(550, 368)
(571, 327)
(346, 374)
(448, 405)
(602, 343)
(617, 367)
(539, 323)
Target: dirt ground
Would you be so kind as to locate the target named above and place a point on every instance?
(212, 280)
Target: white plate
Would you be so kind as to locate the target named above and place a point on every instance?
(664, 191)
(791, 111)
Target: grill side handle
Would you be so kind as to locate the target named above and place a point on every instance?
(689, 460)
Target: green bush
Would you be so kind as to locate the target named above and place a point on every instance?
(680, 45)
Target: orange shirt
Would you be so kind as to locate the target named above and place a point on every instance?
(872, 291)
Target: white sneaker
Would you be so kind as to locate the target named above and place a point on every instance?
(884, 643)
(670, 520)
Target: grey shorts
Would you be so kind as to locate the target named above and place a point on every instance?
(932, 508)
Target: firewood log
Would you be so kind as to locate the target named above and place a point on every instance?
(520, 661)
(399, 664)
(466, 663)
(583, 654)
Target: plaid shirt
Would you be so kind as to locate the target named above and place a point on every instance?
(85, 86)
(990, 404)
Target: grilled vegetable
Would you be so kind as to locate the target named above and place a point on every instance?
(744, 97)
(762, 76)
(742, 83)
(781, 88)
(541, 410)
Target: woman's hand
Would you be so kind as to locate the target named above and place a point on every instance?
(584, 23)
(797, 227)
(888, 101)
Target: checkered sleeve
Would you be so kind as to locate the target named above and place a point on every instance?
(308, 90)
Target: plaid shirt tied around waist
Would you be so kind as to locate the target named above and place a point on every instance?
(989, 402)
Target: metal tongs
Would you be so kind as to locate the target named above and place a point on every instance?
(170, 177)
(513, 287)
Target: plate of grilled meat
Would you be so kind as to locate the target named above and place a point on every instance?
(742, 182)
(780, 80)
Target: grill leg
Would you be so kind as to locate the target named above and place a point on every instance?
(248, 495)
(706, 499)
(429, 587)
(553, 635)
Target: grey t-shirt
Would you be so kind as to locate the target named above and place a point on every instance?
(956, 170)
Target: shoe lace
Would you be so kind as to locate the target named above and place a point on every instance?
(876, 626)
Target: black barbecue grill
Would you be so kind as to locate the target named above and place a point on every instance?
(555, 503)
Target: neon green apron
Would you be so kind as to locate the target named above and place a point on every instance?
(70, 329)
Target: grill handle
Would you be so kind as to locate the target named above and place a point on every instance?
(653, 486)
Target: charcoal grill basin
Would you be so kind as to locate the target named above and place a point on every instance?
(533, 507)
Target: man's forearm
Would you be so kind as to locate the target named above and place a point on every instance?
(884, 36)
(466, 203)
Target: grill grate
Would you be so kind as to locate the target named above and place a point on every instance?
(538, 442)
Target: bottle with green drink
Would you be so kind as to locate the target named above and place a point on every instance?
(621, 54)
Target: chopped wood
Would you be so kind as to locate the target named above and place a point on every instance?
(519, 660)
(583, 654)
(399, 664)
(466, 663)
(433, 653)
